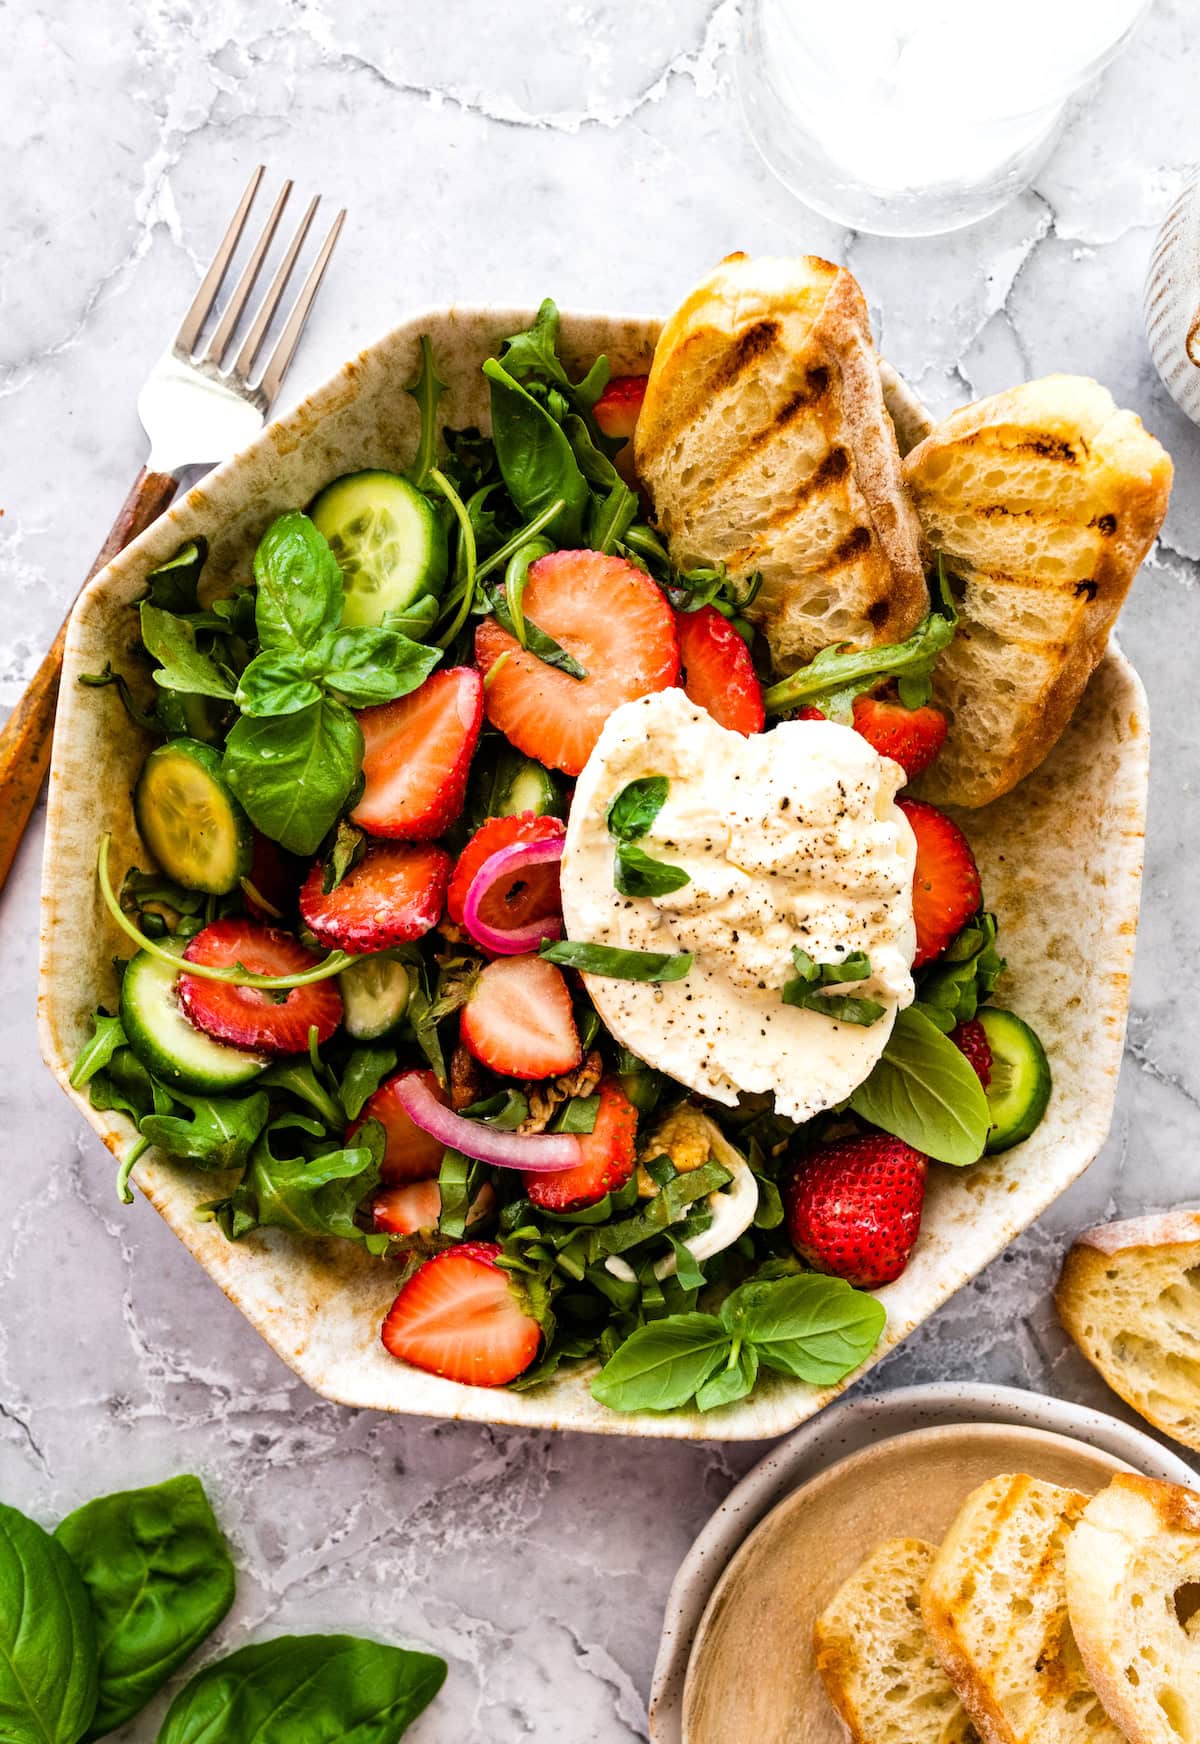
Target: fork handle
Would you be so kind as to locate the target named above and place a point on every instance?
(26, 736)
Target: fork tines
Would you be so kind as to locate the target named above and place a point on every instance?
(210, 288)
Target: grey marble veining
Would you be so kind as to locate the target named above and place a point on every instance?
(592, 150)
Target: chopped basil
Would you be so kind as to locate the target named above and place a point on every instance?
(637, 873)
(630, 815)
(636, 807)
(619, 965)
(808, 989)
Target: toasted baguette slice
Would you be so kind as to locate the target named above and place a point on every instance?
(995, 1606)
(1135, 1548)
(1043, 501)
(1129, 1295)
(765, 443)
(874, 1656)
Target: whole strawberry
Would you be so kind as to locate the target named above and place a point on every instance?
(970, 1038)
(854, 1208)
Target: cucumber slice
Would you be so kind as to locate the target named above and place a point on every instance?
(167, 1043)
(188, 717)
(532, 788)
(190, 821)
(375, 994)
(1020, 1085)
(388, 540)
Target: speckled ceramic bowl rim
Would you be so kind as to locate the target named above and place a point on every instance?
(843, 1429)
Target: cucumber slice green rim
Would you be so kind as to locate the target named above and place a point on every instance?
(1020, 1083)
(375, 994)
(167, 1042)
(389, 542)
(189, 819)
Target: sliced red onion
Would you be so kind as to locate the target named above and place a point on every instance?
(501, 867)
(536, 1152)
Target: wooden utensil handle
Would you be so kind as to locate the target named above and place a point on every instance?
(26, 736)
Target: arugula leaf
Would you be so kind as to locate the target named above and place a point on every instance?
(619, 965)
(365, 1071)
(148, 722)
(159, 1576)
(342, 855)
(535, 458)
(637, 873)
(951, 990)
(373, 665)
(316, 1196)
(730, 1383)
(300, 589)
(808, 989)
(219, 1134)
(662, 1364)
(924, 1091)
(94, 1055)
(173, 584)
(610, 517)
(182, 667)
(293, 773)
(816, 1328)
(48, 1658)
(427, 390)
(633, 810)
(458, 1181)
(124, 1084)
(277, 682)
(529, 634)
(323, 1688)
(534, 353)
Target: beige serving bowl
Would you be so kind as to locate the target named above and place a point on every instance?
(1061, 862)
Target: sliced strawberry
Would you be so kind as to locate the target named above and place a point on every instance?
(541, 882)
(911, 737)
(946, 887)
(462, 1317)
(616, 411)
(718, 672)
(404, 1210)
(854, 1208)
(249, 1017)
(616, 623)
(970, 1038)
(418, 754)
(518, 1020)
(608, 1157)
(395, 893)
(410, 1154)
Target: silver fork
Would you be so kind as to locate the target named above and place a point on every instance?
(194, 412)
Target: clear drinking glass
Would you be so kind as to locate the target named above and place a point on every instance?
(912, 117)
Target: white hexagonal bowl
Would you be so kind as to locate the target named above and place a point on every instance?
(1061, 862)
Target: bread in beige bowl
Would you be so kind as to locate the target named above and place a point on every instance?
(995, 1606)
(765, 444)
(875, 1659)
(1133, 1563)
(1129, 1295)
(1043, 502)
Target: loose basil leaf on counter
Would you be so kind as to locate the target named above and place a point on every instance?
(182, 667)
(924, 1091)
(47, 1638)
(618, 964)
(535, 457)
(293, 772)
(635, 808)
(219, 1134)
(300, 589)
(159, 1576)
(809, 988)
(662, 1364)
(326, 1689)
(815, 1328)
(637, 873)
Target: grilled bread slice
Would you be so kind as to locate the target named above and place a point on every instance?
(1043, 501)
(995, 1606)
(1133, 1568)
(875, 1660)
(1129, 1295)
(765, 444)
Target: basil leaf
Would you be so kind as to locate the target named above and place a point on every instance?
(182, 667)
(159, 1576)
(816, 1328)
(300, 589)
(535, 458)
(94, 1055)
(924, 1091)
(840, 1007)
(577, 1115)
(47, 1638)
(368, 666)
(458, 1177)
(536, 640)
(730, 1384)
(326, 1689)
(619, 965)
(293, 773)
(662, 1364)
(309, 1197)
(219, 1134)
(365, 1071)
(636, 873)
(277, 682)
(416, 620)
(633, 810)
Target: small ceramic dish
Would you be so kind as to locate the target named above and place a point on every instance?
(1171, 302)
(782, 1542)
(1061, 860)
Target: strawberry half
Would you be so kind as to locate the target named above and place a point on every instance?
(249, 1017)
(616, 411)
(410, 1153)
(461, 1316)
(395, 893)
(616, 623)
(417, 756)
(970, 1038)
(854, 1208)
(518, 1020)
(946, 888)
(405, 1210)
(718, 672)
(608, 1157)
(911, 737)
(541, 882)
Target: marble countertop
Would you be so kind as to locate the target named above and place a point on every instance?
(593, 151)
